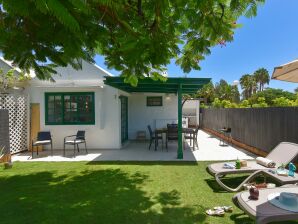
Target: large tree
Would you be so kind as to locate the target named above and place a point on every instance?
(136, 37)
(270, 94)
(207, 92)
(225, 91)
(262, 77)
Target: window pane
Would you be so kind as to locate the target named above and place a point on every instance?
(51, 101)
(51, 117)
(154, 101)
(54, 109)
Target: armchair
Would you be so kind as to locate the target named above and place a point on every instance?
(43, 138)
(75, 140)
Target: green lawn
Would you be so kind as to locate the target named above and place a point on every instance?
(112, 192)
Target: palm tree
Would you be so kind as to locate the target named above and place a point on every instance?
(207, 92)
(249, 85)
(225, 91)
(262, 77)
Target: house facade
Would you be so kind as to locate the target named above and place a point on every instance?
(80, 100)
(108, 109)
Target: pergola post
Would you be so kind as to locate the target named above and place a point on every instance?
(180, 150)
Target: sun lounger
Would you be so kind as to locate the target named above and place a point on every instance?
(262, 210)
(283, 153)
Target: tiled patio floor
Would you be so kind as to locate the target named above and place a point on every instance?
(208, 150)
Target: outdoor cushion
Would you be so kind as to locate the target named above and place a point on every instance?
(77, 141)
(251, 167)
(44, 142)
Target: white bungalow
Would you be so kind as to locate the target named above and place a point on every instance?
(109, 110)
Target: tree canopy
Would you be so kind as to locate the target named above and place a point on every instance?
(221, 90)
(136, 37)
(270, 94)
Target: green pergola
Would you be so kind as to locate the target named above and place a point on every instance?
(177, 86)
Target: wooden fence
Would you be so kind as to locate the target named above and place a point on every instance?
(4, 131)
(261, 128)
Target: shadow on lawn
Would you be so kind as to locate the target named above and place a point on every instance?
(233, 181)
(92, 196)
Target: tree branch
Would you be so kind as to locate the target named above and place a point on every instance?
(140, 12)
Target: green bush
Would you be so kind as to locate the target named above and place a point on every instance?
(261, 102)
(284, 102)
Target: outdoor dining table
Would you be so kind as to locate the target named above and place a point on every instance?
(160, 131)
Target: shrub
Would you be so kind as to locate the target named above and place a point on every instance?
(283, 102)
(261, 102)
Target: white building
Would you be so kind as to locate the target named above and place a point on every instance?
(109, 110)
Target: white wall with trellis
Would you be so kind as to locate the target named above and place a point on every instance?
(17, 105)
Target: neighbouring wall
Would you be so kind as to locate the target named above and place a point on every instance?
(262, 128)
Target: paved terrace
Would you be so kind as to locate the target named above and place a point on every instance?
(208, 150)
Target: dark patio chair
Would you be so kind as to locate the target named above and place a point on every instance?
(43, 138)
(192, 137)
(153, 138)
(172, 133)
(77, 139)
(227, 132)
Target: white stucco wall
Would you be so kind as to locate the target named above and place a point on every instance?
(139, 115)
(104, 134)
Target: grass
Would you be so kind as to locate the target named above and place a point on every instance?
(112, 192)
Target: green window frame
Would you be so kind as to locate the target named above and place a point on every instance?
(154, 101)
(69, 108)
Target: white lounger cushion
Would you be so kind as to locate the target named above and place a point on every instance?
(73, 141)
(42, 142)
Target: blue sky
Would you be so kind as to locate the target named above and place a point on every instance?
(267, 40)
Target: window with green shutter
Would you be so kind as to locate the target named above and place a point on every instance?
(69, 108)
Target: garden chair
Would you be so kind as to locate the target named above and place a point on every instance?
(75, 140)
(43, 138)
(172, 133)
(192, 137)
(227, 132)
(282, 154)
(153, 137)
